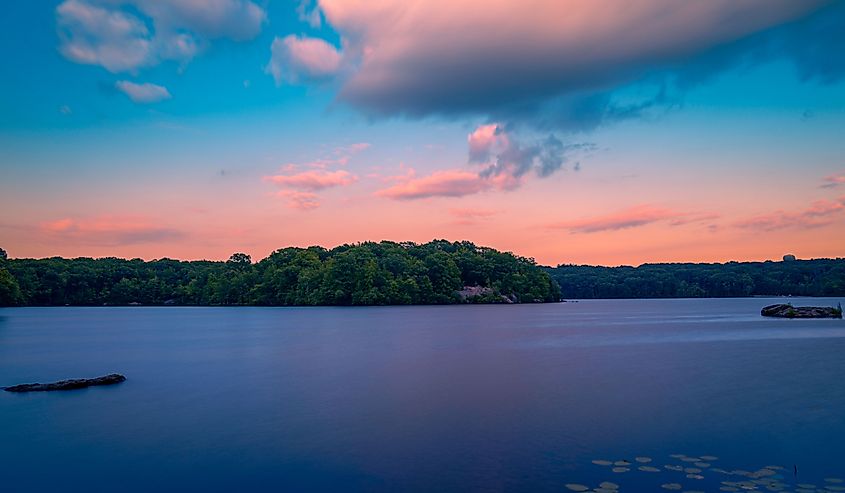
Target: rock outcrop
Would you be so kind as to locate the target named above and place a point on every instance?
(784, 310)
(474, 292)
(79, 383)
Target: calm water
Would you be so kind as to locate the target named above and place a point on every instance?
(461, 398)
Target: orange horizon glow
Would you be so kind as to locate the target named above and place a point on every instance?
(569, 131)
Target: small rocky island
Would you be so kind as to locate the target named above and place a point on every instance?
(79, 383)
(785, 310)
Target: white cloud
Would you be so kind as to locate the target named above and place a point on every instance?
(95, 35)
(144, 93)
(239, 20)
(297, 59)
(309, 12)
(126, 35)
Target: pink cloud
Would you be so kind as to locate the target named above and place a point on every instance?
(314, 180)
(833, 181)
(471, 216)
(409, 173)
(300, 187)
(484, 140)
(498, 161)
(632, 217)
(300, 200)
(504, 155)
(694, 218)
(356, 147)
(421, 57)
(468, 213)
(819, 213)
(297, 59)
(108, 231)
(339, 156)
(446, 183)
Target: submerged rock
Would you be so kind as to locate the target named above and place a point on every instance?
(79, 383)
(784, 310)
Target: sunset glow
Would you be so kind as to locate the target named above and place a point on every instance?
(567, 131)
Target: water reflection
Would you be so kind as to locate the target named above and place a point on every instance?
(421, 398)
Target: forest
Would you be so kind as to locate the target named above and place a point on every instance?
(384, 273)
(389, 273)
(819, 277)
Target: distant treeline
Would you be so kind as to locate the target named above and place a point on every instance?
(821, 277)
(390, 273)
(383, 273)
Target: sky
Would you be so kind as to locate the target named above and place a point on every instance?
(568, 131)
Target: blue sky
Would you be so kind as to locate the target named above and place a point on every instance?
(738, 129)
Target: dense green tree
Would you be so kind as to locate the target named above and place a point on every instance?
(240, 259)
(820, 277)
(10, 293)
(389, 273)
(384, 273)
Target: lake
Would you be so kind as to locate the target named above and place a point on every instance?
(433, 398)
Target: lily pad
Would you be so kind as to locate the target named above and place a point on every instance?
(577, 487)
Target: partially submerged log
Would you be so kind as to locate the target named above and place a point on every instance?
(79, 383)
(784, 310)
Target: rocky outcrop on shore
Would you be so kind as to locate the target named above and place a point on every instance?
(79, 383)
(784, 310)
(481, 294)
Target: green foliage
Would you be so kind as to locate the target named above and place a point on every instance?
(10, 293)
(820, 277)
(384, 273)
(239, 259)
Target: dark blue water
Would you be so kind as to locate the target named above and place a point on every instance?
(460, 398)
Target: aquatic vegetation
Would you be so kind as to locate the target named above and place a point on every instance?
(679, 476)
(577, 487)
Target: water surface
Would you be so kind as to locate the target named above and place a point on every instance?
(452, 398)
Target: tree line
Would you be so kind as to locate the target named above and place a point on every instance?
(389, 273)
(384, 273)
(819, 277)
